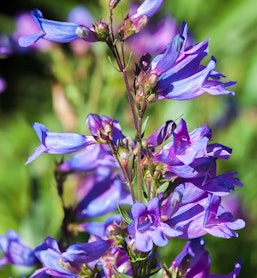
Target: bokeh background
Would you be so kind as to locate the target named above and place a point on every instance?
(59, 87)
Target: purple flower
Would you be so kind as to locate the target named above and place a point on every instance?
(58, 143)
(56, 31)
(104, 129)
(147, 8)
(103, 190)
(180, 74)
(15, 252)
(194, 262)
(69, 263)
(147, 227)
(25, 24)
(189, 155)
(100, 229)
(198, 212)
(220, 185)
(90, 159)
(161, 134)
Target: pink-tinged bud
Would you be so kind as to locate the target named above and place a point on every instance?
(113, 3)
(102, 30)
(129, 27)
(132, 246)
(114, 229)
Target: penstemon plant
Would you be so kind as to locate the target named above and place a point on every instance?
(134, 194)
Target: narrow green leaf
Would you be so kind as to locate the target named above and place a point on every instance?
(145, 124)
(124, 215)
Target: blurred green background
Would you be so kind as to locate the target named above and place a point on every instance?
(59, 89)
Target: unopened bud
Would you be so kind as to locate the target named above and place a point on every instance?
(152, 80)
(144, 143)
(132, 246)
(113, 3)
(102, 30)
(108, 129)
(113, 229)
(145, 62)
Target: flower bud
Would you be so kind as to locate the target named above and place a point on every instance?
(102, 30)
(113, 3)
(130, 27)
(113, 229)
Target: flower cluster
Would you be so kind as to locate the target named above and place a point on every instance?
(135, 194)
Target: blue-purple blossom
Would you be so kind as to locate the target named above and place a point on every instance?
(161, 134)
(147, 227)
(100, 229)
(58, 143)
(182, 76)
(197, 213)
(69, 263)
(103, 190)
(189, 155)
(147, 8)
(26, 24)
(104, 129)
(89, 159)
(194, 262)
(56, 31)
(15, 251)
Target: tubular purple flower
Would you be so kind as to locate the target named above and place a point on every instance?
(90, 159)
(56, 31)
(168, 58)
(147, 227)
(100, 229)
(15, 252)
(194, 262)
(104, 129)
(81, 253)
(58, 143)
(220, 223)
(104, 192)
(189, 155)
(69, 263)
(220, 185)
(200, 213)
(147, 8)
(183, 77)
(161, 134)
